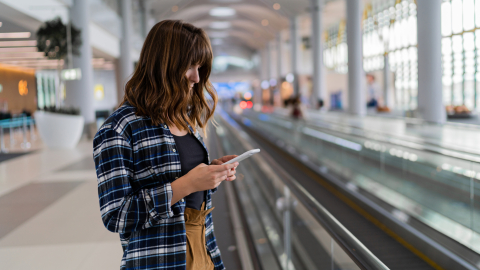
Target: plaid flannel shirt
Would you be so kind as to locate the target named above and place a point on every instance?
(136, 163)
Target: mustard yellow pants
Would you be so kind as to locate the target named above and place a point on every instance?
(197, 255)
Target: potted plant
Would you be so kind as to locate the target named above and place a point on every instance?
(59, 127)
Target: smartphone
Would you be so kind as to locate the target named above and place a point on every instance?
(243, 156)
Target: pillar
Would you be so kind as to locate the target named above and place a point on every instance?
(294, 52)
(318, 76)
(356, 74)
(280, 61)
(146, 18)
(430, 100)
(80, 92)
(126, 63)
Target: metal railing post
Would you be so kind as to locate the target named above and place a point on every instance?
(2, 141)
(25, 144)
(287, 229)
(11, 132)
(33, 137)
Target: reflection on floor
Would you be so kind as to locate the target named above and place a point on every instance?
(49, 213)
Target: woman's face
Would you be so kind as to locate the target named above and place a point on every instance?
(192, 75)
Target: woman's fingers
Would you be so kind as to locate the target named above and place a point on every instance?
(227, 158)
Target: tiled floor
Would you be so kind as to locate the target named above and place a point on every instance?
(49, 213)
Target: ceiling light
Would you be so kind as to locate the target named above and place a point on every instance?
(15, 35)
(276, 6)
(1, 24)
(18, 49)
(222, 12)
(24, 43)
(174, 8)
(217, 41)
(34, 62)
(220, 25)
(218, 34)
(22, 55)
(264, 22)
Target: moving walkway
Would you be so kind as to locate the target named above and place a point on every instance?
(411, 196)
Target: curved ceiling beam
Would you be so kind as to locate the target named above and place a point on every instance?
(248, 39)
(259, 13)
(242, 25)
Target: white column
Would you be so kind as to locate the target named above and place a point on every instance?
(430, 100)
(386, 80)
(356, 74)
(280, 61)
(80, 92)
(126, 63)
(294, 52)
(268, 60)
(318, 75)
(147, 19)
(273, 60)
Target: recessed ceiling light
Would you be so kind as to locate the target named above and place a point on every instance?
(18, 49)
(225, 1)
(264, 22)
(23, 43)
(218, 34)
(217, 41)
(220, 25)
(175, 8)
(222, 12)
(15, 35)
(276, 6)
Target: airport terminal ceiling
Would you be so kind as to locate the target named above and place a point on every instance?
(254, 22)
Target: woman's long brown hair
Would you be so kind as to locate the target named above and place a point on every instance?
(159, 88)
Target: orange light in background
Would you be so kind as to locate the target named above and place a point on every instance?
(174, 8)
(22, 88)
(249, 104)
(247, 96)
(276, 6)
(264, 22)
(243, 104)
(286, 90)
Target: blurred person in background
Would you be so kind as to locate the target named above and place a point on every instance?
(154, 183)
(373, 92)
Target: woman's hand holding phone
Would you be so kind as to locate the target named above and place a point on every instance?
(231, 174)
(205, 177)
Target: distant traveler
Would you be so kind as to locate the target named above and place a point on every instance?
(154, 184)
(297, 112)
(373, 91)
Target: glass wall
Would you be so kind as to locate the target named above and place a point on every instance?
(45, 90)
(335, 54)
(390, 30)
(460, 42)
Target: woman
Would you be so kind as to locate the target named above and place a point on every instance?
(153, 182)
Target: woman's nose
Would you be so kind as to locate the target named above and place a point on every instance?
(195, 76)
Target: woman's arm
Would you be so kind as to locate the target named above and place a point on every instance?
(122, 208)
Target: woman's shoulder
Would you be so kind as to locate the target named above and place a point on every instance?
(120, 120)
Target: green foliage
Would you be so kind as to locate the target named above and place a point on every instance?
(52, 39)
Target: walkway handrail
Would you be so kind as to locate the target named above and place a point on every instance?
(412, 145)
(360, 254)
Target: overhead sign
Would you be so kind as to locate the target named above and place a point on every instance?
(71, 74)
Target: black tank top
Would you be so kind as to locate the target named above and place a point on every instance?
(191, 153)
